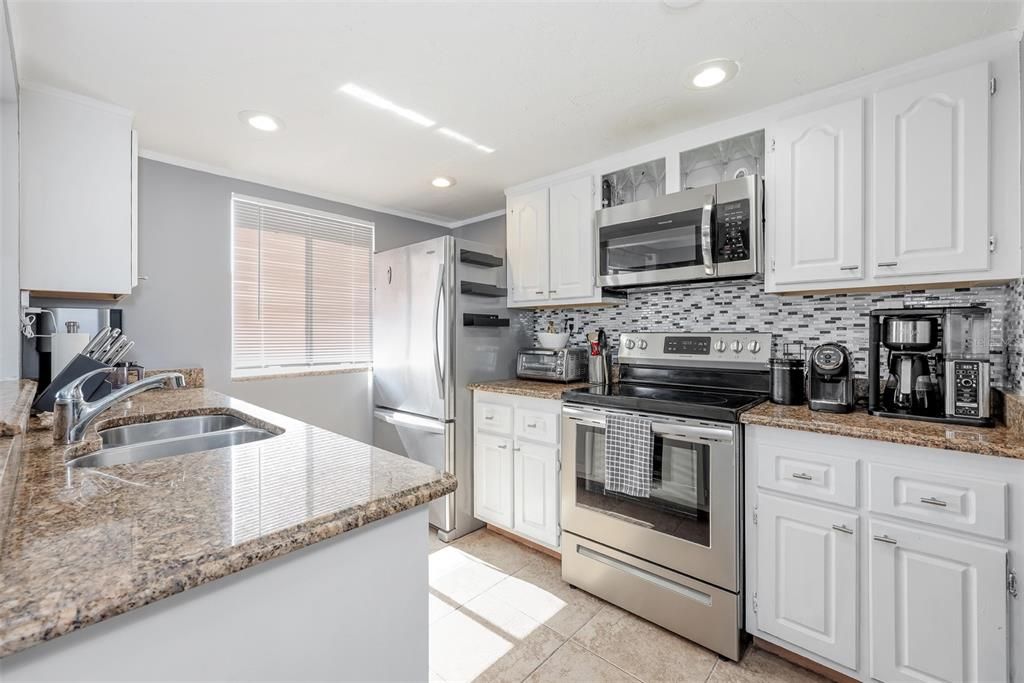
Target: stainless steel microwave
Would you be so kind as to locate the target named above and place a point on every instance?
(705, 233)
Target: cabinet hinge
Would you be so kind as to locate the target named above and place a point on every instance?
(755, 602)
(1011, 583)
(772, 148)
(755, 514)
(992, 86)
(558, 463)
(558, 535)
(773, 264)
(991, 242)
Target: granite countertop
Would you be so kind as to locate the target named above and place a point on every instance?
(1002, 440)
(82, 545)
(15, 401)
(527, 387)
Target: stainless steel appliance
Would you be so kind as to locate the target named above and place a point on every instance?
(830, 385)
(674, 558)
(704, 233)
(555, 365)
(938, 364)
(440, 321)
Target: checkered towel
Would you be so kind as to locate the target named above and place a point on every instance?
(628, 446)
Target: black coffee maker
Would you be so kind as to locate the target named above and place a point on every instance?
(830, 379)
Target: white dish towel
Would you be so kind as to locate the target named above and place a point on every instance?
(628, 455)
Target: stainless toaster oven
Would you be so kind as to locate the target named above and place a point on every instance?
(556, 365)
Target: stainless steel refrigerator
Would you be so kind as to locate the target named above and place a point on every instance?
(440, 322)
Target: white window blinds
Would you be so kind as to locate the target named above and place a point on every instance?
(301, 289)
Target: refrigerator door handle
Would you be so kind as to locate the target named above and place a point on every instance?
(423, 424)
(437, 315)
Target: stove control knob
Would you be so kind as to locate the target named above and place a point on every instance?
(753, 347)
(720, 345)
(643, 344)
(630, 344)
(737, 346)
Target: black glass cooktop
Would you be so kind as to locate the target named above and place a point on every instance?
(699, 402)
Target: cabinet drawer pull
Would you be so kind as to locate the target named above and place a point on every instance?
(502, 446)
(855, 267)
(888, 264)
(531, 425)
(885, 539)
(803, 475)
(930, 500)
(552, 291)
(843, 528)
(540, 292)
(488, 417)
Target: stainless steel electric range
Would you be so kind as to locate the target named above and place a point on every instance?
(674, 558)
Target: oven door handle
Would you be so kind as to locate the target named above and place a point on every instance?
(705, 234)
(587, 421)
(694, 433)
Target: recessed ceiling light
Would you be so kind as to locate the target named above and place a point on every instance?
(376, 100)
(260, 121)
(442, 181)
(712, 72)
(465, 139)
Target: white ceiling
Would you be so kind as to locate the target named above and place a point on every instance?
(549, 85)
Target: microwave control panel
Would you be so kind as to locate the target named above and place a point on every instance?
(732, 222)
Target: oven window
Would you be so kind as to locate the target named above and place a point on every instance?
(679, 500)
(674, 243)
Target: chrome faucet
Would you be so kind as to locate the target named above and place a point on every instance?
(72, 414)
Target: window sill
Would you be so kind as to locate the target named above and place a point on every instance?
(266, 374)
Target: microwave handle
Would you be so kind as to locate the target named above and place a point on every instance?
(705, 234)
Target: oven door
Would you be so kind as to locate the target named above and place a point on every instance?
(689, 523)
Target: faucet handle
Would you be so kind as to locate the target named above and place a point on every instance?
(72, 391)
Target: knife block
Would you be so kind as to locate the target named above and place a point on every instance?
(94, 388)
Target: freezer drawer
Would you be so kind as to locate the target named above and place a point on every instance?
(424, 440)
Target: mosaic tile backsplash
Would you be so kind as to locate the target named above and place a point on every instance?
(811, 319)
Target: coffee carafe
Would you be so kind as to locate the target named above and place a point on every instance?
(911, 386)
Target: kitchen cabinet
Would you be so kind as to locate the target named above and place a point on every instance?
(807, 588)
(516, 464)
(910, 577)
(78, 196)
(818, 188)
(492, 478)
(930, 177)
(572, 240)
(528, 251)
(938, 607)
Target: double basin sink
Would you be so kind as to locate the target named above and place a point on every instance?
(175, 436)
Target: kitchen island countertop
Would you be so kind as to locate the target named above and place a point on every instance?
(82, 545)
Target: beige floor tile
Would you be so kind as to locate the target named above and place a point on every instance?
(644, 650)
(465, 582)
(439, 606)
(758, 666)
(574, 663)
(435, 543)
(538, 590)
(499, 552)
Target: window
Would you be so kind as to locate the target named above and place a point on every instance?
(301, 288)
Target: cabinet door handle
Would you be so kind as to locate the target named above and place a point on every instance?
(803, 475)
(843, 528)
(931, 500)
(855, 267)
(885, 539)
(888, 264)
(502, 446)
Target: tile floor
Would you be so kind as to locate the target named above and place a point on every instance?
(500, 611)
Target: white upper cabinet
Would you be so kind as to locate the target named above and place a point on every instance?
(931, 175)
(818, 187)
(573, 251)
(78, 163)
(527, 227)
(938, 607)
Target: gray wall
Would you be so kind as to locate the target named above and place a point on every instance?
(490, 231)
(181, 315)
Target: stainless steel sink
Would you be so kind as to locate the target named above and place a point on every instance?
(168, 429)
(163, 438)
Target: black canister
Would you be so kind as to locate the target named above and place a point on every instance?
(788, 376)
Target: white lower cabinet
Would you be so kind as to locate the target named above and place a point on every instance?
(938, 607)
(908, 579)
(492, 478)
(516, 465)
(807, 588)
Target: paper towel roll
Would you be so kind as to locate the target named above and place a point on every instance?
(63, 347)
